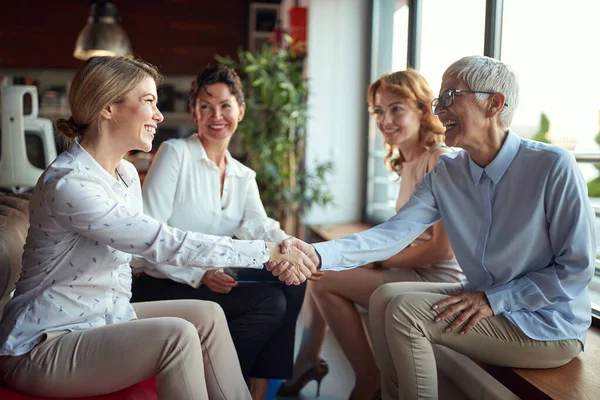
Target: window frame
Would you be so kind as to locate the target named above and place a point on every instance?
(380, 64)
(592, 158)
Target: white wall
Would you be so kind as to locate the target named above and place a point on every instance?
(338, 37)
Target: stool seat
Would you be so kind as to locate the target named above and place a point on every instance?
(144, 390)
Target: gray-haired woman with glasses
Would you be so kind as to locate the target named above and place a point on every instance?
(521, 226)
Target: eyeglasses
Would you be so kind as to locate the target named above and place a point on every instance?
(447, 98)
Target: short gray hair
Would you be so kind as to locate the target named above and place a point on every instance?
(489, 75)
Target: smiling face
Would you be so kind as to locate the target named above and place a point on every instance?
(217, 112)
(465, 120)
(135, 118)
(397, 118)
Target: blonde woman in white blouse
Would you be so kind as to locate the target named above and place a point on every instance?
(195, 184)
(70, 320)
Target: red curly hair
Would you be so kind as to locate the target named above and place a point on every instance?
(412, 86)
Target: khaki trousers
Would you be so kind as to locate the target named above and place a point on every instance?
(185, 343)
(403, 331)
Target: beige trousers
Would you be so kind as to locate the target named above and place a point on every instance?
(403, 332)
(185, 343)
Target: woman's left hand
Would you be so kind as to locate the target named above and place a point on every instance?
(466, 306)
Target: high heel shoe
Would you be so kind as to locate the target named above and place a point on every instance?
(317, 372)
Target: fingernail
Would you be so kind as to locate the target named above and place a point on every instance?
(447, 330)
(437, 320)
(435, 307)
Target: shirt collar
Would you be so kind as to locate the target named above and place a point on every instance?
(199, 153)
(91, 165)
(496, 169)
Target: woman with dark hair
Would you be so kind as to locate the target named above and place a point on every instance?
(194, 183)
(413, 138)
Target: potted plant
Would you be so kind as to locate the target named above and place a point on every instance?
(542, 134)
(594, 184)
(272, 135)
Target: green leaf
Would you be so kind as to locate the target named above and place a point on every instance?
(273, 132)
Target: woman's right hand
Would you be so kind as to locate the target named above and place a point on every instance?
(218, 281)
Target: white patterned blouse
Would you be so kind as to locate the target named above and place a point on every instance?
(84, 228)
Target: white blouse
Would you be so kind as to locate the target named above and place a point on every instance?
(84, 227)
(183, 189)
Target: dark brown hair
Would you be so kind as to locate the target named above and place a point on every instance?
(216, 74)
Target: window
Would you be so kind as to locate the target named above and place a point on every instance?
(584, 161)
(556, 57)
(551, 45)
(450, 30)
(389, 50)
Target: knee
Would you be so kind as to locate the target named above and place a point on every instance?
(267, 307)
(321, 286)
(183, 331)
(315, 286)
(380, 299)
(385, 293)
(214, 311)
(276, 306)
(408, 308)
(208, 313)
(294, 297)
(378, 302)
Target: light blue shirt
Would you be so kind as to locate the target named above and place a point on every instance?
(522, 230)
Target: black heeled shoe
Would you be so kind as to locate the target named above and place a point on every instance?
(315, 373)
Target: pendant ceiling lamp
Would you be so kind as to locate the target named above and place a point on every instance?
(103, 34)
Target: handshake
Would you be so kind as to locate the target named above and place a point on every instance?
(293, 261)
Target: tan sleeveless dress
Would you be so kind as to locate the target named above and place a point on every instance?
(444, 271)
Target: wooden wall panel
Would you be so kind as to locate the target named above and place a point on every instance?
(179, 36)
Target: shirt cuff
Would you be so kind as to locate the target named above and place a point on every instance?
(197, 281)
(255, 249)
(329, 254)
(268, 254)
(498, 300)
